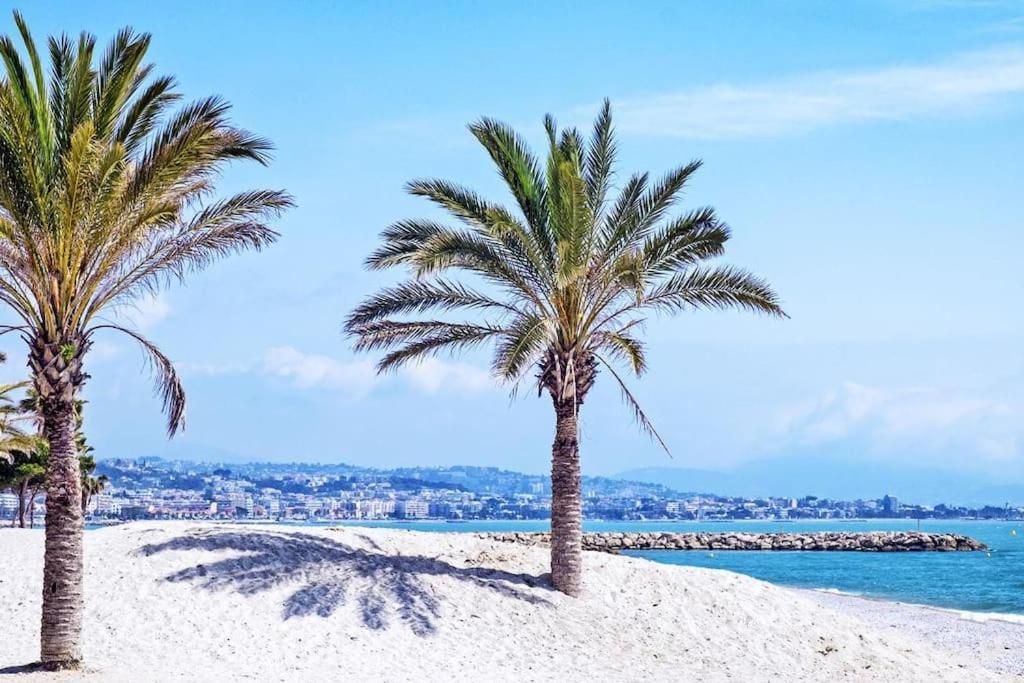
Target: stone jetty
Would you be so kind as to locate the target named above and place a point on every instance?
(870, 541)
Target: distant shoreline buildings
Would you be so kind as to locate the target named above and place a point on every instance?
(153, 488)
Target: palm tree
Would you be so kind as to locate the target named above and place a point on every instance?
(105, 196)
(31, 473)
(22, 472)
(93, 486)
(90, 485)
(564, 284)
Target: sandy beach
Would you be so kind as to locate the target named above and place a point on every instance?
(994, 640)
(185, 601)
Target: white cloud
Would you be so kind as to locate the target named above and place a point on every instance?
(359, 377)
(432, 375)
(828, 98)
(212, 369)
(908, 422)
(311, 370)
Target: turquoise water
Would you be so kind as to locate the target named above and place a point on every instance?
(973, 581)
(976, 581)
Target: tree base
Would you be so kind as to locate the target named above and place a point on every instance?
(36, 667)
(61, 665)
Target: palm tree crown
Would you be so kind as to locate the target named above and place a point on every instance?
(104, 196)
(567, 280)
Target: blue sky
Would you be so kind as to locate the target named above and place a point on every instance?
(868, 155)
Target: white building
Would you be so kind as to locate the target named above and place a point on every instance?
(8, 504)
(413, 509)
(374, 508)
(104, 504)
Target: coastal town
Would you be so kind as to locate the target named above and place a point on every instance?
(154, 488)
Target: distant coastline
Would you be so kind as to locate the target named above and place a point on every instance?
(153, 488)
(460, 525)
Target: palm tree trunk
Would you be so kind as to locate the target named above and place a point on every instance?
(62, 565)
(22, 490)
(566, 503)
(32, 508)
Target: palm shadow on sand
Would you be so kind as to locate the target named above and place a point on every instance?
(332, 573)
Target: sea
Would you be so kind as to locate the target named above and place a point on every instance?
(988, 583)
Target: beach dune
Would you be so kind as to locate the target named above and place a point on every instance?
(192, 601)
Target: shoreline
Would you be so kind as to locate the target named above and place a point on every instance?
(978, 616)
(993, 639)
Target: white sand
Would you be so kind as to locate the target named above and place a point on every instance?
(995, 640)
(198, 602)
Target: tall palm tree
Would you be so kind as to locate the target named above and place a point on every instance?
(105, 196)
(564, 284)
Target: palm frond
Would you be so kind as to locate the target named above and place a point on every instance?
(520, 347)
(166, 381)
(236, 224)
(638, 413)
(520, 171)
(454, 339)
(694, 237)
(622, 346)
(421, 296)
(715, 288)
(388, 334)
(402, 240)
(600, 159)
(622, 215)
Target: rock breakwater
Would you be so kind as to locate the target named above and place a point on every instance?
(871, 541)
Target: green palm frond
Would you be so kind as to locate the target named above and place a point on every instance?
(449, 339)
(418, 297)
(622, 346)
(382, 334)
(520, 171)
(724, 287)
(622, 215)
(402, 242)
(684, 241)
(461, 202)
(520, 347)
(600, 160)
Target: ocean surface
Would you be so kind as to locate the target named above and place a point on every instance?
(972, 581)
